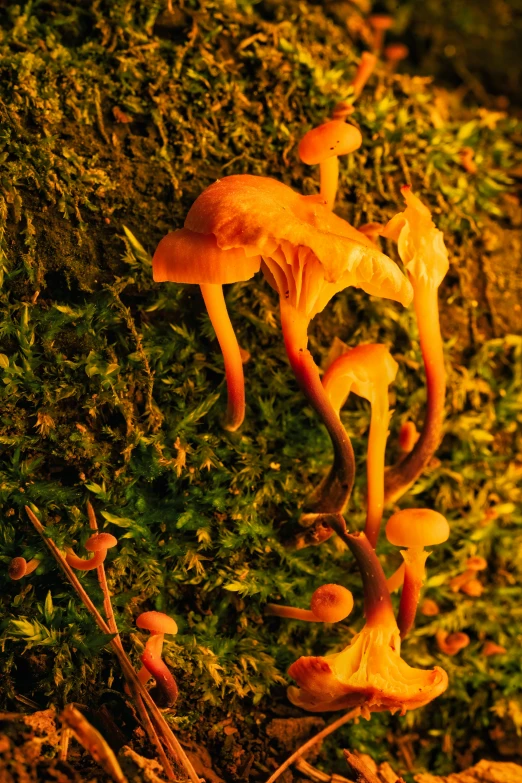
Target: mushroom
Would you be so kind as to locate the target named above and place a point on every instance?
(492, 648)
(243, 223)
(408, 437)
(429, 608)
(466, 155)
(159, 624)
(474, 588)
(451, 643)
(394, 53)
(367, 370)
(414, 528)
(379, 23)
(323, 145)
(19, 567)
(329, 604)
(363, 73)
(473, 566)
(423, 253)
(370, 671)
(99, 544)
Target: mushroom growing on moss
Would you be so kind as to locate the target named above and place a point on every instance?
(370, 671)
(367, 370)
(329, 604)
(323, 145)
(99, 544)
(423, 253)
(20, 567)
(243, 223)
(414, 528)
(158, 624)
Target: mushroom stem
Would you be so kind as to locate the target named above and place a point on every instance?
(378, 608)
(396, 579)
(334, 492)
(329, 177)
(291, 612)
(375, 464)
(414, 573)
(402, 475)
(363, 73)
(166, 686)
(85, 564)
(218, 314)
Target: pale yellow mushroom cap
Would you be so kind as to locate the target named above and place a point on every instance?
(417, 527)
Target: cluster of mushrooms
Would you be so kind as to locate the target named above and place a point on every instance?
(244, 224)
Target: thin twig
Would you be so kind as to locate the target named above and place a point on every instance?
(166, 732)
(314, 740)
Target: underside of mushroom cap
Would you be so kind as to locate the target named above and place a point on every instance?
(369, 671)
(258, 214)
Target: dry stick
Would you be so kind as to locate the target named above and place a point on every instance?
(128, 669)
(364, 774)
(311, 742)
(111, 620)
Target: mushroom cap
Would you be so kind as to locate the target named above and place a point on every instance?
(305, 245)
(417, 527)
(380, 21)
(100, 541)
(395, 52)
(17, 568)
(329, 140)
(360, 370)
(156, 622)
(331, 603)
(476, 563)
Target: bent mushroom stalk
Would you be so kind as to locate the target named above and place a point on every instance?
(330, 603)
(423, 253)
(244, 223)
(367, 371)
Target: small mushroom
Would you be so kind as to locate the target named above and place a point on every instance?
(19, 567)
(408, 437)
(451, 643)
(159, 624)
(329, 604)
(423, 253)
(492, 648)
(466, 155)
(99, 544)
(367, 371)
(474, 588)
(429, 608)
(394, 53)
(364, 71)
(414, 528)
(473, 566)
(379, 23)
(323, 145)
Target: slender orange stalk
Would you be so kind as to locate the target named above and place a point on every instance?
(334, 492)
(363, 73)
(218, 314)
(414, 573)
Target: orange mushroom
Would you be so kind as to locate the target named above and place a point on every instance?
(379, 23)
(414, 528)
(99, 544)
(466, 155)
(243, 223)
(451, 643)
(492, 648)
(394, 53)
(363, 73)
(473, 566)
(367, 371)
(423, 253)
(19, 567)
(429, 608)
(323, 145)
(408, 436)
(329, 604)
(159, 624)
(370, 671)
(474, 588)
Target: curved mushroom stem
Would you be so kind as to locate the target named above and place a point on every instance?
(291, 612)
(378, 608)
(85, 564)
(166, 686)
(414, 573)
(329, 177)
(218, 314)
(334, 492)
(396, 579)
(402, 475)
(375, 464)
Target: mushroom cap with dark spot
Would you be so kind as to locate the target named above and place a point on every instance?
(329, 140)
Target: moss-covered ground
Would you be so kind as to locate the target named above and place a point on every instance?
(114, 115)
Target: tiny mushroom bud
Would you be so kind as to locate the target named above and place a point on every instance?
(379, 23)
(158, 624)
(473, 565)
(492, 648)
(408, 436)
(19, 567)
(99, 544)
(394, 53)
(429, 608)
(451, 643)
(474, 588)
(414, 528)
(329, 604)
(323, 145)
(466, 155)
(367, 370)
